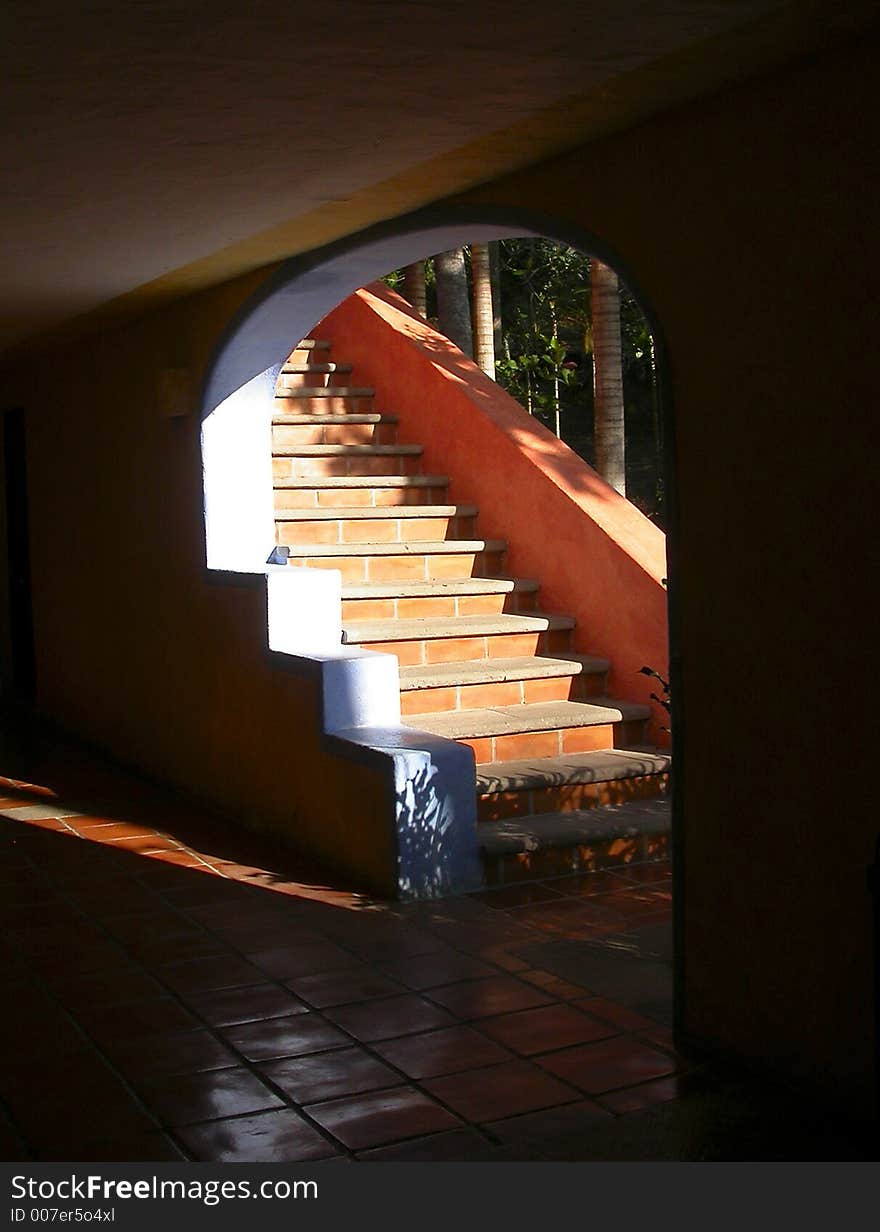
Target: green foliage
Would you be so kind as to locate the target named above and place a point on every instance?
(546, 357)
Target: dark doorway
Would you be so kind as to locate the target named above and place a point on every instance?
(21, 629)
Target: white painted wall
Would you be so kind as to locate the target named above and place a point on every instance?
(237, 477)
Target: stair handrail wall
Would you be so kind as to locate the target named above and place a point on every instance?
(597, 557)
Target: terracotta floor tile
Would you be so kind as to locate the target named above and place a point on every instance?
(153, 1147)
(518, 895)
(361, 983)
(405, 943)
(617, 1062)
(161, 1016)
(610, 1011)
(117, 987)
(284, 1037)
(453, 1146)
(551, 1123)
(500, 1091)
(227, 1006)
(369, 1120)
(392, 1016)
(634, 1099)
(162, 952)
(207, 974)
(295, 960)
(442, 1052)
(483, 998)
(647, 874)
(504, 956)
(659, 1035)
(186, 1053)
(545, 1028)
(189, 1098)
(102, 829)
(267, 1137)
(586, 885)
(326, 1075)
(433, 970)
(552, 984)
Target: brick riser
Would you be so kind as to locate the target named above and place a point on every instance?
(489, 646)
(555, 743)
(494, 806)
(506, 693)
(514, 604)
(366, 530)
(357, 498)
(334, 434)
(525, 866)
(298, 403)
(354, 465)
(414, 567)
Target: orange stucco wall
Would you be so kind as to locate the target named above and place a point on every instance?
(597, 557)
(749, 222)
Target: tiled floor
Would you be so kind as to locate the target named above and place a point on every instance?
(176, 990)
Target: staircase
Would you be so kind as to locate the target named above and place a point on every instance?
(564, 779)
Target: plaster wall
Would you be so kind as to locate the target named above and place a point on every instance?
(749, 219)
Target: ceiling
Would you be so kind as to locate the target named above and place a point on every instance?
(158, 145)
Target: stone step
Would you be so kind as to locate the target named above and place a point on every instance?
(328, 392)
(466, 596)
(307, 350)
(296, 430)
(463, 685)
(545, 729)
(446, 639)
(403, 562)
(365, 491)
(302, 461)
(390, 524)
(292, 418)
(325, 400)
(535, 847)
(305, 375)
(578, 781)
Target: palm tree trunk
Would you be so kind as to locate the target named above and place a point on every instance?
(483, 316)
(495, 277)
(453, 309)
(607, 376)
(414, 286)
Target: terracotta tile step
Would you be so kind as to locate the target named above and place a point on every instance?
(563, 784)
(326, 391)
(300, 461)
(535, 847)
(367, 491)
(390, 513)
(546, 729)
(293, 418)
(348, 451)
(310, 344)
(500, 682)
(415, 561)
(333, 430)
(466, 596)
(446, 639)
(300, 375)
(465, 626)
(389, 524)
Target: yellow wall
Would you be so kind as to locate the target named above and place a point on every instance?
(748, 220)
